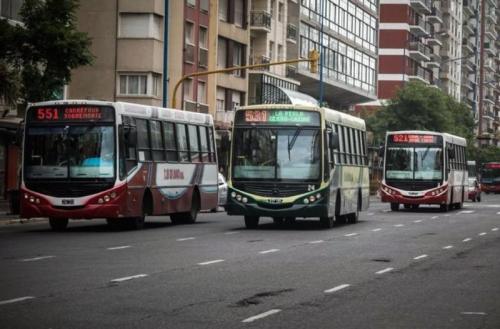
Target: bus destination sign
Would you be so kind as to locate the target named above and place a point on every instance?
(70, 113)
(414, 139)
(278, 117)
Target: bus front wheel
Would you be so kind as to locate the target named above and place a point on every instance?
(251, 222)
(58, 224)
(327, 222)
(394, 206)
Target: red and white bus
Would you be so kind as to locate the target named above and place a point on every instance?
(119, 161)
(490, 177)
(423, 167)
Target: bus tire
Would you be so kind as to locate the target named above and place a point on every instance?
(58, 224)
(190, 216)
(114, 223)
(339, 219)
(352, 218)
(289, 220)
(327, 222)
(251, 222)
(478, 198)
(394, 206)
(414, 206)
(407, 206)
(136, 223)
(443, 207)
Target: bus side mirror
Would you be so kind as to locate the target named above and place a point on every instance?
(19, 135)
(334, 140)
(381, 151)
(130, 135)
(451, 153)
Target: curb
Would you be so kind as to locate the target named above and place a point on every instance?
(22, 221)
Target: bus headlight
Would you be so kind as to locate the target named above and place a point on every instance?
(233, 194)
(112, 195)
(32, 199)
(245, 200)
(318, 195)
(107, 198)
(312, 198)
(238, 197)
(100, 201)
(306, 200)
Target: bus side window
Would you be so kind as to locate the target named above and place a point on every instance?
(143, 140)
(204, 144)
(211, 144)
(336, 151)
(327, 154)
(128, 153)
(170, 141)
(182, 141)
(156, 140)
(194, 145)
(342, 145)
(363, 148)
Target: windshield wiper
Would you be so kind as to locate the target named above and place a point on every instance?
(294, 138)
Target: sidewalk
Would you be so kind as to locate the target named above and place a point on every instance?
(7, 219)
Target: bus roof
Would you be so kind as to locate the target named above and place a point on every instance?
(329, 114)
(447, 137)
(139, 110)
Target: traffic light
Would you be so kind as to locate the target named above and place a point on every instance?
(313, 61)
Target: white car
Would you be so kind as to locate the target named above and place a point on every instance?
(222, 187)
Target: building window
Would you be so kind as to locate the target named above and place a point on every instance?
(222, 53)
(237, 57)
(204, 5)
(189, 33)
(203, 38)
(281, 8)
(238, 13)
(223, 10)
(134, 25)
(271, 50)
(191, 3)
(202, 92)
(221, 99)
(280, 52)
(273, 5)
(235, 100)
(156, 84)
(133, 84)
(188, 89)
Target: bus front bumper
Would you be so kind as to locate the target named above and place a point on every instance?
(440, 199)
(490, 188)
(294, 210)
(87, 212)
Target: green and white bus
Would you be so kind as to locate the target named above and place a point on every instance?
(290, 161)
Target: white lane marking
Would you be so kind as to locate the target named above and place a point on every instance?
(448, 247)
(232, 232)
(211, 262)
(126, 278)
(185, 239)
(36, 258)
(466, 212)
(417, 221)
(385, 270)
(386, 211)
(498, 213)
(370, 214)
(447, 215)
(337, 288)
(268, 251)
(262, 315)
(376, 230)
(15, 300)
(351, 234)
(473, 313)
(482, 233)
(494, 229)
(466, 240)
(119, 247)
(399, 225)
(420, 257)
(316, 241)
(434, 217)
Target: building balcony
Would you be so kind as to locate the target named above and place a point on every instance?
(489, 99)
(469, 7)
(418, 51)
(491, 33)
(489, 49)
(432, 40)
(436, 16)
(260, 20)
(418, 73)
(466, 46)
(225, 117)
(492, 3)
(468, 29)
(260, 59)
(291, 33)
(421, 6)
(435, 61)
(491, 16)
(489, 65)
(419, 26)
(195, 107)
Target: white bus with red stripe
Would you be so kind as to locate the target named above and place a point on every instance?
(119, 161)
(424, 167)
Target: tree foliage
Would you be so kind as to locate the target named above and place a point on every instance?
(45, 48)
(418, 106)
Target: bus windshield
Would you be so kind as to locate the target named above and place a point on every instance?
(74, 152)
(279, 154)
(419, 163)
(490, 175)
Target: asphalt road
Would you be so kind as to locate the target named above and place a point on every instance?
(406, 269)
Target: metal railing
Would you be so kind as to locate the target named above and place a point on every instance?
(260, 18)
(291, 32)
(420, 47)
(435, 11)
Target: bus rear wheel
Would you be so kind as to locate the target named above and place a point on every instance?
(190, 216)
(251, 222)
(136, 223)
(58, 224)
(394, 206)
(443, 207)
(353, 218)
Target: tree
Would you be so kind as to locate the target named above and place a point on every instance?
(46, 47)
(418, 106)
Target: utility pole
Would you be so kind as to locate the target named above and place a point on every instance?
(481, 74)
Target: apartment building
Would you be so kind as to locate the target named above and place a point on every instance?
(410, 44)
(348, 47)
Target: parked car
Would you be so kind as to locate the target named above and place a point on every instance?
(222, 190)
(474, 190)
